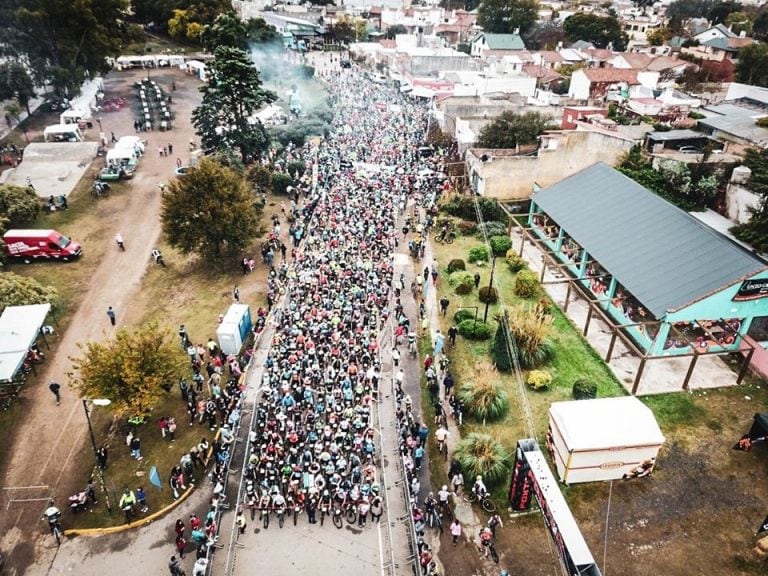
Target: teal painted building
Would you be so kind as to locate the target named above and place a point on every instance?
(673, 285)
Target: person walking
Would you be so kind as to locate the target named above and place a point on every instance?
(101, 457)
(170, 149)
(453, 331)
(236, 294)
(55, 387)
(127, 501)
(444, 303)
(477, 279)
(136, 448)
(111, 314)
(241, 522)
(141, 499)
(455, 530)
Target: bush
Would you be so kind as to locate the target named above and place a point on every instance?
(472, 330)
(492, 229)
(467, 227)
(488, 295)
(530, 329)
(514, 261)
(462, 282)
(456, 264)
(479, 254)
(297, 168)
(500, 349)
(462, 315)
(584, 390)
(500, 245)
(526, 284)
(538, 379)
(280, 182)
(481, 455)
(259, 176)
(464, 207)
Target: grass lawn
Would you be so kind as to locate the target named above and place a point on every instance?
(573, 358)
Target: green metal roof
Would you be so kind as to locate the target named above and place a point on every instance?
(666, 258)
(504, 41)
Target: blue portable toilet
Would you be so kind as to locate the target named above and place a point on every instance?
(234, 328)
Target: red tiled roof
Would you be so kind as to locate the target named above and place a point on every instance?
(544, 74)
(550, 55)
(600, 53)
(611, 75)
(661, 63)
(635, 60)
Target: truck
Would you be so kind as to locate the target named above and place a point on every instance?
(29, 245)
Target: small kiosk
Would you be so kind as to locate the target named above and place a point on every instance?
(234, 328)
(603, 439)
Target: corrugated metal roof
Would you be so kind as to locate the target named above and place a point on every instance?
(662, 255)
(675, 135)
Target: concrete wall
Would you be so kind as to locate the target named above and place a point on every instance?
(432, 65)
(738, 198)
(565, 153)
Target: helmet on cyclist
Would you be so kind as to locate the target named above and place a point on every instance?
(444, 487)
(431, 495)
(479, 478)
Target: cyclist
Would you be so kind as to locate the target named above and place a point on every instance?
(264, 502)
(53, 515)
(443, 496)
(443, 232)
(120, 242)
(485, 540)
(412, 342)
(441, 435)
(495, 522)
(479, 488)
(430, 507)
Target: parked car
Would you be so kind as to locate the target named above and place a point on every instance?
(113, 173)
(689, 150)
(31, 245)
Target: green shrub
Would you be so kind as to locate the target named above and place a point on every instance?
(500, 348)
(492, 229)
(514, 261)
(538, 379)
(463, 314)
(296, 168)
(280, 182)
(467, 227)
(462, 282)
(526, 284)
(472, 330)
(500, 245)
(584, 390)
(481, 454)
(488, 295)
(479, 254)
(456, 264)
(464, 207)
(530, 330)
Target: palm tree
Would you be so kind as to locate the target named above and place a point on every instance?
(530, 328)
(481, 454)
(484, 398)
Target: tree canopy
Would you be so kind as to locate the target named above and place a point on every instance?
(720, 11)
(753, 65)
(511, 130)
(63, 41)
(599, 30)
(681, 12)
(506, 16)
(209, 211)
(16, 83)
(197, 12)
(259, 31)
(226, 30)
(19, 206)
(394, 30)
(134, 369)
(231, 96)
(18, 290)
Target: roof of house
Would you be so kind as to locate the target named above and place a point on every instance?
(662, 255)
(727, 32)
(582, 45)
(503, 41)
(627, 75)
(546, 75)
(600, 53)
(550, 56)
(661, 63)
(737, 120)
(636, 60)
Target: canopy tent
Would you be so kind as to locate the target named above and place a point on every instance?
(19, 328)
(67, 132)
(603, 439)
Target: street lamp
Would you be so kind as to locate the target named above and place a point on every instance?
(97, 402)
(490, 289)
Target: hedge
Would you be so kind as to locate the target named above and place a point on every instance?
(456, 264)
(461, 281)
(514, 261)
(488, 295)
(472, 330)
(479, 254)
(526, 284)
(584, 390)
(500, 245)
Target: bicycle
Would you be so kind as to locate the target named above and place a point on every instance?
(265, 517)
(442, 448)
(281, 516)
(494, 554)
(446, 238)
(435, 520)
(412, 348)
(337, 521)
(324, 511)
(351, 514)
(57, 533)
(297, 509)
(486, 502)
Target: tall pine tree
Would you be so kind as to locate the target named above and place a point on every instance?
(500, 350)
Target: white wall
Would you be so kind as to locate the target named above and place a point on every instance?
(740, 200)
(579, 88)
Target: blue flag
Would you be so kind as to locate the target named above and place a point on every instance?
(154, 478)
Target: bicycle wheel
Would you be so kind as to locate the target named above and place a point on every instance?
(253, 513)
(494, 554)
(280, 519)
(266, 520)
(295, 517)
(488, 505)
(449, 239)
(470, 497)
(322, 517)
(337, 521)
(57, 534)
(351, 515)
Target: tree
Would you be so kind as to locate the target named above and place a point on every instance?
(507, 16)
(599, 30)
(511, 130)
(19, 206)
(760, 26)
(348, 29)
(500, 349)
(739, 22)
(481, 455)
(134, 369)
(545, 35)
(681, 12)
(753, 65)
(719, 13)
(231, 96)
(18, 290)
(393, 31)
(209, 212)
(259, 31)
(226, 30)
(657, 36)
(16, 83)
(63, 41)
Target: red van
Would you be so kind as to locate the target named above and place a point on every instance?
(40, 244)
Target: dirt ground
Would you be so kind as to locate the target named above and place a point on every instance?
(50, 437)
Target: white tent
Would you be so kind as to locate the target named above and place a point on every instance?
(602, 439)
(63, 132)
(19, 328)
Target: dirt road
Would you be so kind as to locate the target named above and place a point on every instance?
(49, 437)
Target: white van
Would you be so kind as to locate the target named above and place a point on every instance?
(63, 133)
